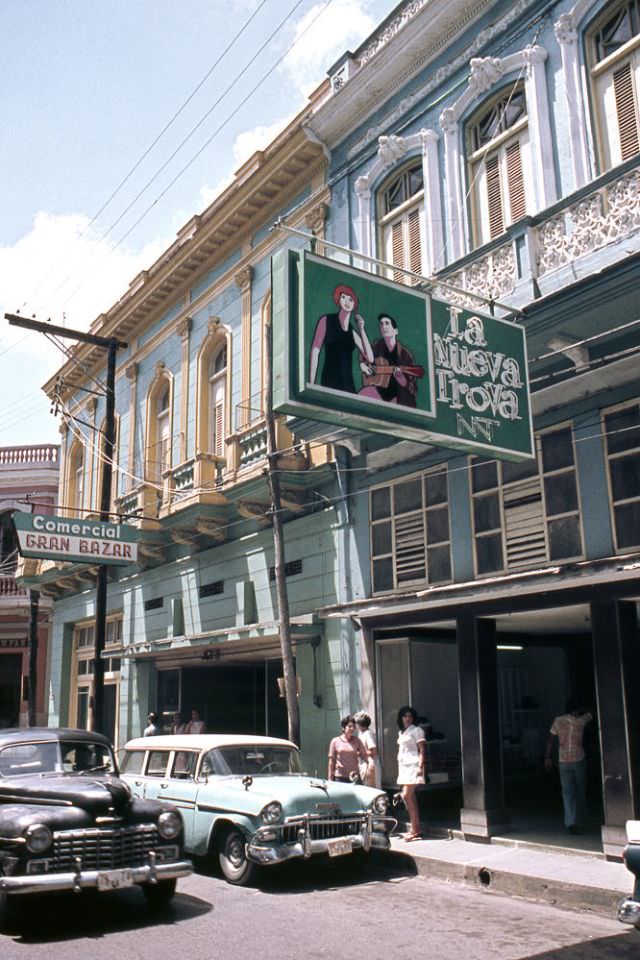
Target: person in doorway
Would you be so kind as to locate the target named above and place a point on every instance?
(346, 753)
(567, 730)
(153, 728)
(411, 763)
(177, 725)
(369, 771)
(195, 725)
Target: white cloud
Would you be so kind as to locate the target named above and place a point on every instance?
(57, 271)
(342, 26)
(257, 138)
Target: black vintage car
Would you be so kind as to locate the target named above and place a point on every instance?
(68, 822)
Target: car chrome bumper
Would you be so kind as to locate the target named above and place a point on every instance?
(629, 911)
(79, 879)
(262, 848)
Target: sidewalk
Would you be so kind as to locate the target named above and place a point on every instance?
(571, 879)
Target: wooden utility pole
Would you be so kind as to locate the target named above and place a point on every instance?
(286, 646)
(111, 344)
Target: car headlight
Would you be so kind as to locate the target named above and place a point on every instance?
(272, 812)
(169, 825)
(38, 837)
(380, 804)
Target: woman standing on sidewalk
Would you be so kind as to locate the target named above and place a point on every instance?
(370, 771)
(346, 753)
(411, 760)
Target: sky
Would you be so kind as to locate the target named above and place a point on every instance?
(119, 120)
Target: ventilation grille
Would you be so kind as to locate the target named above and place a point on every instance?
(291, 569)
(154, 604)
(213, 589)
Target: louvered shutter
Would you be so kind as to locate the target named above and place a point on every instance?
(397, 250)
(218, 429)
(524, 523)
(515, 182)
(494, 196)
(409, 548)
(626, 111)
(413, 229)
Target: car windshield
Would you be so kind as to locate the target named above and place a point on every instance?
(251, 759)
(66, 756)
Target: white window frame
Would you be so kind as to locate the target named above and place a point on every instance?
(217, 401)
(604, 413)
(401, 217)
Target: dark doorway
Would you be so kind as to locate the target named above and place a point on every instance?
(238, 698)
(10, 677)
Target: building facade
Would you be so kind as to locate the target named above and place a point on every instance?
(493, 149)
(28, 482)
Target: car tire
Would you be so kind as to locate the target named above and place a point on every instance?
(159, 894)
(232, 856)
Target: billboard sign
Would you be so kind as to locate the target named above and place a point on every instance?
(363, 352)
(79, 541)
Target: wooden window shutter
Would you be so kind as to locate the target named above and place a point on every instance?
(410, 552)
(415, 253)
(494, 196)
(397, 250)
(524, 523)
(218, 429)
(515, 182)
(626, 111)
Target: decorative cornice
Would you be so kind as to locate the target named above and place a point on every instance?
(485, 73)
(389, 31)
(243, 277)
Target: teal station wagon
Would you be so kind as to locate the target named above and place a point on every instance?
(245, 800)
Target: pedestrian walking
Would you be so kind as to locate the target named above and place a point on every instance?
(411, 764)
(370, 773)
(346, 753)
(567, 731)
(153, 727)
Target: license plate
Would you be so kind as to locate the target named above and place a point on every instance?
(115, 879)
(339, 846)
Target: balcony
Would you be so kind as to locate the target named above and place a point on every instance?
(10, 590)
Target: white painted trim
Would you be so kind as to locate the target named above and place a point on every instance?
(567, 37)
(391, 150)
(486, 73)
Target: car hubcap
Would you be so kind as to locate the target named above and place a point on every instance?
(236, 852)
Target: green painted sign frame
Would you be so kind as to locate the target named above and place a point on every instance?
(359, 351)
(48, 537)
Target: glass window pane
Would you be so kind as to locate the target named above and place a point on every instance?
(407, 496)
(157, 763)
(436, 488)
(381, 538)
(484, 476)
(439, 564)
(489, 553)
(382, 575)
(564, 538)
(561, 494)
(519, 471)
(557, 450)
(380, 503)
(486, 513)
(438, 525)
(628, 525)
(625, 477)
(623, 429)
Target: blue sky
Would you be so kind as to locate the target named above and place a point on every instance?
(86, 87)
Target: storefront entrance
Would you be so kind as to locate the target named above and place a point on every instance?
(10, 679)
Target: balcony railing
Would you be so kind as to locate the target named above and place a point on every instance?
(40, 453)
(9, 588)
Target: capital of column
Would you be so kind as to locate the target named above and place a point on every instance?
(243, 278)
(363, 190)
(449, 121)
(131, 371)
(533, 55)
(316, 218)
(565, 29)
(183, 327)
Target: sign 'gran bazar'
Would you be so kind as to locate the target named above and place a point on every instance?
(62, 538)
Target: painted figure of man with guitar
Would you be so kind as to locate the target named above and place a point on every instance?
(393, 376)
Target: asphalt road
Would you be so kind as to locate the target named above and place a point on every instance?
(309, 911)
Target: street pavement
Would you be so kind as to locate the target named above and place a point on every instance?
(315, 910)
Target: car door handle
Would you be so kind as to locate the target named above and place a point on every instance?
(163, 786)
(138, 783)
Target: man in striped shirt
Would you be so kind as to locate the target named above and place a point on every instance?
(567, 731)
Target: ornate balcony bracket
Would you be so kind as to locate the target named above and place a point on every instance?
(259, 510)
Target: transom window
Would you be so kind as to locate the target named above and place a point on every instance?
(410, 533)
(400, 207)
(499, 163)
(614, 52)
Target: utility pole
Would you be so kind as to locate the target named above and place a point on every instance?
(284, 624)
(111, 344)
(34, 598)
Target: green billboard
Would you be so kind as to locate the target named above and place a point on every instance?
(363, 352)
(70, 538)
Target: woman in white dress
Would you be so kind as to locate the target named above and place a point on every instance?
(370, 772)
(411, 760)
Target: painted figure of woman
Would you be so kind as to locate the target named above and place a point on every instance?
(335, 335)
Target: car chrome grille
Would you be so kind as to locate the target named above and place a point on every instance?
(323, 828)
(103, 849)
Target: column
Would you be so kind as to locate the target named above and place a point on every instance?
(243, 282)
(455, 204)
(183, 329)
(483, 812)
(567, 37)
(131, 373)
(616, 658)
(432, 233)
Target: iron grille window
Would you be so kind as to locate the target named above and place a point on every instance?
(291, 569)
(213, 589)
(410, 534)
(154, 604)
(526, 514)
(622, 431)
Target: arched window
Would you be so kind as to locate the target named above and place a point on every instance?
(613, 48)
(75, 497)
(159, 430)
(400, 205)
(497, 149)
(217, 380)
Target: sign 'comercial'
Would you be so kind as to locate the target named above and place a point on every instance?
(361, 351)
(80, 541)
